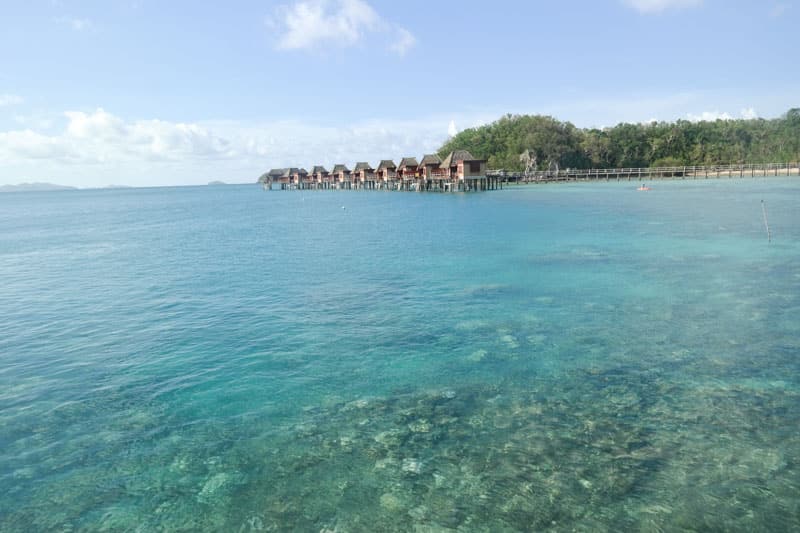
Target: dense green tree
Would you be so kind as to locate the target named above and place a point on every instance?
(631, 145)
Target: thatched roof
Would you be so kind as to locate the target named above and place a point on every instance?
(430, 159)
(300, 171)
(362, 166)
(276, 173)
(408, 162)
(386, 164)
(319, 169)
(340, 168)
(273, 174)
(454, 157)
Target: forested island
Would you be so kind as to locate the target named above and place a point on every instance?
(656, 144)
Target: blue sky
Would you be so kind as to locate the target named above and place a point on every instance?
(145, 92)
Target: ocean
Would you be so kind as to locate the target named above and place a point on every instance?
(571, 357)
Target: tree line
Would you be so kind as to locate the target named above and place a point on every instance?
(656, 144)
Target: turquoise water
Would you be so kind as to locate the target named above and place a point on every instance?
(580, 357)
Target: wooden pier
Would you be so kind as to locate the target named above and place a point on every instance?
(389, 180)
(649, 173)
(391, 183)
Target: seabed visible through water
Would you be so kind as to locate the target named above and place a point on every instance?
(566, 358)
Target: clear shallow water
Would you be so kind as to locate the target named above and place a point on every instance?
(573, 357)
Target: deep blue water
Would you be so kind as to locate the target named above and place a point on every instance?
(567, 357)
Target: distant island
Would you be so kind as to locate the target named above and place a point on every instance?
(217, 183)
(35, 187)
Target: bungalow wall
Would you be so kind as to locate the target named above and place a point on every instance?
(408, 173)
(471, 169)
(427, 171)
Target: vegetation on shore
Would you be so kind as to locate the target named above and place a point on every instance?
(654, 144)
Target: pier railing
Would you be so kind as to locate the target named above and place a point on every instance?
(687, 171)
(441, 180)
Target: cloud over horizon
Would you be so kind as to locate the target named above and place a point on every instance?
(747, 113)
(100, 147)
(311, 24)
(99, 137)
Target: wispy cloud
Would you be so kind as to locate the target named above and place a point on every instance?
(10, 99)
(76, 24)
(36, 120)
(301, 143)
(778, 10)
(404, 41)
(658, 6)
(312, 24)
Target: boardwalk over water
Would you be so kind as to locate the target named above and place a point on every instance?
(634, 174)
(495, 179)
(391, 182)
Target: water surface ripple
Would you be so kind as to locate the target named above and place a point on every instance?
(570, 357)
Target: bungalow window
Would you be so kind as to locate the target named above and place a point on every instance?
(474, 167)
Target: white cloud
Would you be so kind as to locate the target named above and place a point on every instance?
(749, 113)
(746, 113)
(77, 24)
(708, 116)
(34, 121)
(296, 143)
(10, 99)
(658, 6)
(97, 125)
(404, 41)
(29, 145)
(100, 137)
(308, 24)
(96, 148)
(312, 24)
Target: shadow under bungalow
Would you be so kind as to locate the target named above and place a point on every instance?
(459, 171)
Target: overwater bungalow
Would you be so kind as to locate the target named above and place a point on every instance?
(275, 173)
(463, 165)
(429, 163)
(461, 171)
(341, 177)
(283, 177)
(320, 177)
(268, 178)
(301, 178)
(407, 172)
(364, 175)
(386, 174)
